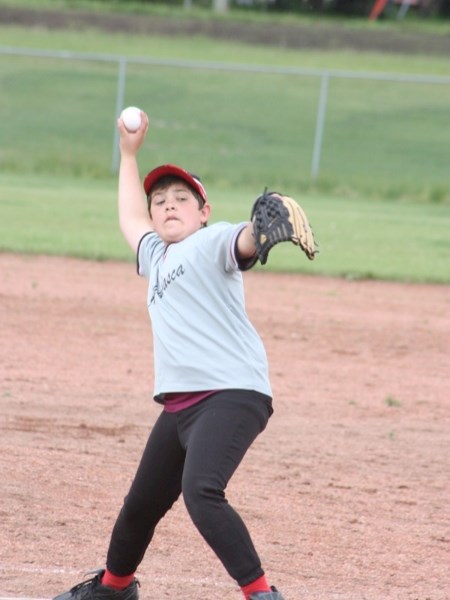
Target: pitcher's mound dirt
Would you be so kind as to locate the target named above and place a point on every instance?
(346, 493)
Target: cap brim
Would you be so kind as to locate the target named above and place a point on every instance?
(164, 170)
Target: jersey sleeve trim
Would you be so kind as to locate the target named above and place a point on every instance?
(246, 263)
(138, 270)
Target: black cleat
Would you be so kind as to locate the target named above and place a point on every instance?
(273, 595)
(92, 589)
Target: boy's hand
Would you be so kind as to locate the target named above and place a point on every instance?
(130, 142)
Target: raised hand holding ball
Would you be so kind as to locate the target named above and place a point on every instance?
(131, 118)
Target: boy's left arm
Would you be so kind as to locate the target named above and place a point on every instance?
(246, 247)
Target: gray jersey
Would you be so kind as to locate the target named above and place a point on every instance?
(203, 339)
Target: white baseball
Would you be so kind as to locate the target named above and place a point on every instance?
(131, 118)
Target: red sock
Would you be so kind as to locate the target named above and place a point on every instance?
(259, 585)
(116, 582)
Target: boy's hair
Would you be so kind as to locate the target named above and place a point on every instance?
(166, 181)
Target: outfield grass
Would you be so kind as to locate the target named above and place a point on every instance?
(381, 138)
(204, 48)
(380, 208)
(382, 240)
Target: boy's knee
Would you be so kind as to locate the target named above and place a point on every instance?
(199, 496)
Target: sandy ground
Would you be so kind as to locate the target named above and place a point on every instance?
(346, 493)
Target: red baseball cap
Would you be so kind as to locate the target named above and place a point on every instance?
(164, 170)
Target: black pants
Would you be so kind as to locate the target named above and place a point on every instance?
(194, 452)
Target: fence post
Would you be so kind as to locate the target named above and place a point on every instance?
(320, 125)
(119, 106)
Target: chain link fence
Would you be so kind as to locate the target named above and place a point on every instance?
(235, 124)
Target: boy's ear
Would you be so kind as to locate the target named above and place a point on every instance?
(206, 212)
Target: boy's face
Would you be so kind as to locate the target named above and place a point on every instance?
(175, 212)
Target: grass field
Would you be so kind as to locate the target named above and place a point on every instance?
(380, 239)
(380, 208)
(387, 139)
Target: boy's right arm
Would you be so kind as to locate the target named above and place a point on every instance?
(134, 219)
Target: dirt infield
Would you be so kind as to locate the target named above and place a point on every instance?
(346, 493)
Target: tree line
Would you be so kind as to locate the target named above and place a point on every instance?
(348, 8)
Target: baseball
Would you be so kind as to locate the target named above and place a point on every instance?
(131, 118)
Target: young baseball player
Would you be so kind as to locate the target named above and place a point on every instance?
(211, 376)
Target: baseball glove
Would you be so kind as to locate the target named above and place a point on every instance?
(277, 218)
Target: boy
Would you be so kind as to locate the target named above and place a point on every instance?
(211, 375)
